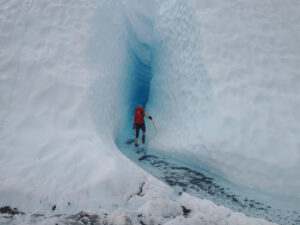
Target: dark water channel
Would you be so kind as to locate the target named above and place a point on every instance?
(200, 183)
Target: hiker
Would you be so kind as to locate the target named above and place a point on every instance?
(139, 123)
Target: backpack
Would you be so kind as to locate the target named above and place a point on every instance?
(139, 114)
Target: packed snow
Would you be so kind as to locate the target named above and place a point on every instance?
(186, 210)
(221, 81)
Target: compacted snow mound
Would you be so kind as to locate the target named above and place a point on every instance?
(156, 211)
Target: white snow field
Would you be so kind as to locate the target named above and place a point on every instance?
(221, 80)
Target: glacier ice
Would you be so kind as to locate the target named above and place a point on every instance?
(225, 93)
(221, 81)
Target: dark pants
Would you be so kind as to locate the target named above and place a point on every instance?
(138, 127)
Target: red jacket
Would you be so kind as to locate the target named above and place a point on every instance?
(139, 114)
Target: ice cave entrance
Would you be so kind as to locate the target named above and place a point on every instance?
(141, 75)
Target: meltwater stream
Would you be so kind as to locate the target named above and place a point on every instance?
(201, 183)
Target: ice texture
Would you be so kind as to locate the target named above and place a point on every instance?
(220, 80)
(226, 92)
(59, 112)
(156, 211)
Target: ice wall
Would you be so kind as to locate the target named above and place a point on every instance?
(62, 66)
(225, 92)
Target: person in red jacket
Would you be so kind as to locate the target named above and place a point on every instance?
(139, 123)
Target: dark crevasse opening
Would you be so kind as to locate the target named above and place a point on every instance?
(139, 71)
(141, 76)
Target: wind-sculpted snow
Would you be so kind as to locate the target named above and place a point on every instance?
(221, 82)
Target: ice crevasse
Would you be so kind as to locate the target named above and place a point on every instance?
(221, 80)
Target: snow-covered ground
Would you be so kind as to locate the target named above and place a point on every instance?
(223, 83)
(186, 210)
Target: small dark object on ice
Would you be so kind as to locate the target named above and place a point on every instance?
(53, 207)
(186, 211)
(143, 157)
(10, 211)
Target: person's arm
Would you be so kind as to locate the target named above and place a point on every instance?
(149, 117)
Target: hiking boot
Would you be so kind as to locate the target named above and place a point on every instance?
(136, 145)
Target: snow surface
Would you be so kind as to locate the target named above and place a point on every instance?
(156, 211)
(67, 76)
